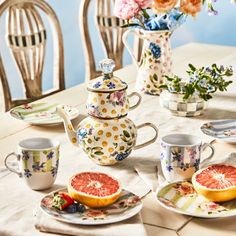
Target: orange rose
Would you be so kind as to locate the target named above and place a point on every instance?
(191, 7)
(163, 5)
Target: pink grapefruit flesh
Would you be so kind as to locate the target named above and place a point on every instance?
(216, 182)
(94, 189)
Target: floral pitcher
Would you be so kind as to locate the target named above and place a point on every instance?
(155, 61)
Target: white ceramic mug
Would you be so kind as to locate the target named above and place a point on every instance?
(181, 156)
(38, 160)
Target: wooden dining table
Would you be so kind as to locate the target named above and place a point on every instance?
(156, 219)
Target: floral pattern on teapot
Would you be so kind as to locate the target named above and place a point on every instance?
(108, 83)
(107, 141)
(107, 105)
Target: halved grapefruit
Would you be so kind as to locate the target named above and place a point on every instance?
(94, 189)
(216, 182)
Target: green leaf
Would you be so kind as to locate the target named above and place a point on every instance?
(130, 25)
(193, 68)
(164, 86)
(130, 143)
(98, 153)
(155, 77)
(123, 138)
(145, 14)
(126, 134)
(97, 148)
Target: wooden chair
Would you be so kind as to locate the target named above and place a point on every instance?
(110, 32)
(26, 39)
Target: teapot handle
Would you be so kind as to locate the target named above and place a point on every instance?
(149, 141)
(129, 49)
(138, 102)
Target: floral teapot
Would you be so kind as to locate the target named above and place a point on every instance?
(105, 141)
(107, 97)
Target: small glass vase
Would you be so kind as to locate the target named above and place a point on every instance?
(178, 106)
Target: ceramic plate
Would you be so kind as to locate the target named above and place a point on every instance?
(125, 207)
(224, 130)
(181, 197)
(41, 113)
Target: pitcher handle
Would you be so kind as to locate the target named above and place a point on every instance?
(10, 168)
(149, 141)
(138, 102)
(129, 49)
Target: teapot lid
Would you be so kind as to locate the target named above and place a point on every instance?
(107, 82)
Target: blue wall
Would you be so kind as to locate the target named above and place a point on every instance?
(215, 29)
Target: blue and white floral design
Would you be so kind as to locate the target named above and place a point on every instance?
(25, 155)
(122, 156)
(37, 167)
(97, 84)
(82, 133)
(50, 155)
(93, 110)
(111, 85)
(155, 50)
(54, 169)
(169, 168)
(27, 173)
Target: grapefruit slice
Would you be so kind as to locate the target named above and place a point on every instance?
(94, 189)
(216, 182)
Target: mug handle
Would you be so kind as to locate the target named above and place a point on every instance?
(12, 169)
(149, 141)
(204, 146)
(138, 102)
(129, 49)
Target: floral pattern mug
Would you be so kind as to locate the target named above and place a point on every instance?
(181, 156)
(38, 161)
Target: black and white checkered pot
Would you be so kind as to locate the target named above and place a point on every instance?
(174, 102)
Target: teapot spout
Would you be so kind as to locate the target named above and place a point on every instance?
(70, 131)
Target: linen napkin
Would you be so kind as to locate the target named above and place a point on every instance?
(130, 180)
(132, 226)
(151, 174)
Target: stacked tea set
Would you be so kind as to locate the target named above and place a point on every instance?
(107, 136)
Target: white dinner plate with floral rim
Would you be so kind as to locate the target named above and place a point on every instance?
(224, 130)
(124, 208)
(180, 197)
(42, 113)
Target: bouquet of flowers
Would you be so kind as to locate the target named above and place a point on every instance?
(160, 14)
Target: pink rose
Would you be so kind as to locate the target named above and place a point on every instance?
(144, 3)
(126, 9)
(118, 97)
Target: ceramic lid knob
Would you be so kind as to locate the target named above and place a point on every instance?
(107, 66)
